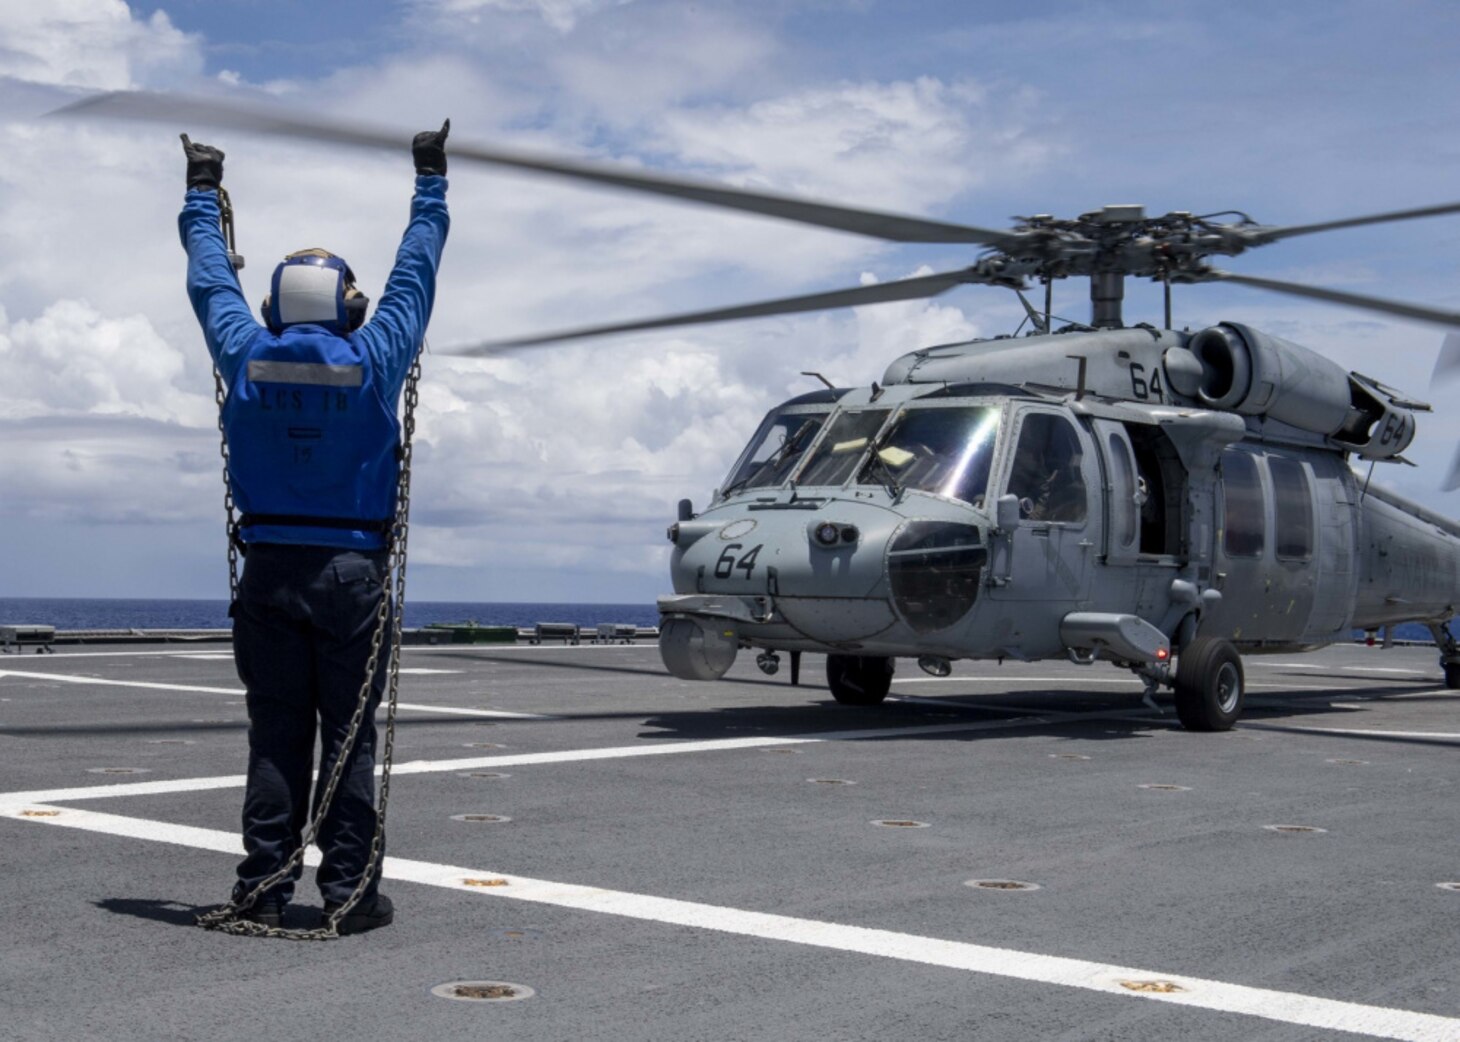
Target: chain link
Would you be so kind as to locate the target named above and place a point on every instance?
(226, 918)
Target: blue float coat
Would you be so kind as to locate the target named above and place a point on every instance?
(317, 446)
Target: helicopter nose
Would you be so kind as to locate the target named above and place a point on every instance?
(846, 574)
(818, 571)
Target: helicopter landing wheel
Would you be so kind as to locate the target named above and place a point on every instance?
(1209, 685)
(1452, 675)
(858, 680)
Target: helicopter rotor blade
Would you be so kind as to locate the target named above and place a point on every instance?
(1333, 296)
(922, 286)
(175, 109)
(1448, 361)
(1452, 478)
(1262, 236)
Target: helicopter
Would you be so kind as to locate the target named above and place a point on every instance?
(1162, 500)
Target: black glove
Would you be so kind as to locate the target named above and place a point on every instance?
(205, 165)
(429, 150)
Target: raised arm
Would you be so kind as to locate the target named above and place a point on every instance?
(398, 326)
(228, 326)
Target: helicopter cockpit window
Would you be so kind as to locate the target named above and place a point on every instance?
(842, 448)
(1293, 511)
(1243, 515)
(945, 451)
(1047, 476)
(775, 450)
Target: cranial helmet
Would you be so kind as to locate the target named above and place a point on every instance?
(317, 287)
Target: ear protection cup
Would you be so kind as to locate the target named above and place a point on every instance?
(355, 305)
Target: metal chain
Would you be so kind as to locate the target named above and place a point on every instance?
(225, 919)
(220, 394)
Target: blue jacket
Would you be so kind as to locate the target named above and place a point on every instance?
(311, 415)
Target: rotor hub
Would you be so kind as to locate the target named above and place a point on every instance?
(1122, 240)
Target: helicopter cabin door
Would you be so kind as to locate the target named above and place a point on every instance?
(1243, 554)
(1285, 554)
(1054, 475)
(1146, 519)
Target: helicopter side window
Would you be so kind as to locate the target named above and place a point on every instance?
(945, 451)
(1294, 509)
(843, 446)
(775, 450)
(1047, 476)
(1123, 505)
(1243, 518)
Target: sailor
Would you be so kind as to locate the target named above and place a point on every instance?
(310, 421)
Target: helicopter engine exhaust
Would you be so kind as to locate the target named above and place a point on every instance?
(698, 647)
(1261, 375)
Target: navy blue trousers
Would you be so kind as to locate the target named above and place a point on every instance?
(302, 628)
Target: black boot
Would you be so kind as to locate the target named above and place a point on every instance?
(369, 914)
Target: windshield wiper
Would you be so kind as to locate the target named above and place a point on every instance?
(893, 486)
(772, 461)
